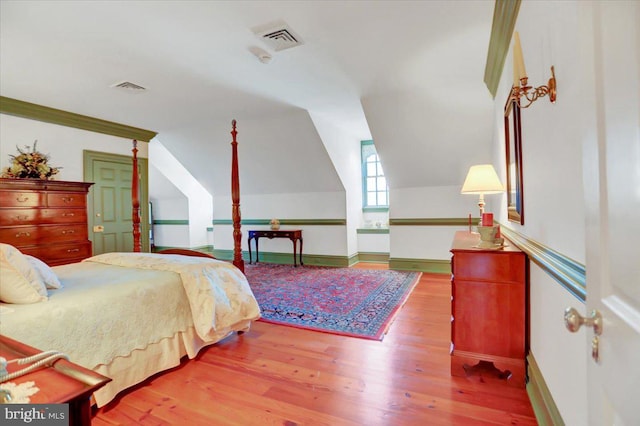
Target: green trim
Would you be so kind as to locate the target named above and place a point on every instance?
(171, 222)
(287, 258)
(209, 228)
(88, 157)
(544, 407)
(505, 14)
(69, 119)
(434, 221)
(375, 209)
(435, 266)
(297, 222)
(372, 230)
(569, 273)
(374, 257)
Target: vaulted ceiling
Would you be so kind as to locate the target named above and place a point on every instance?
(408, 74)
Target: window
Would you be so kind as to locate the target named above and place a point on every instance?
(375, 192)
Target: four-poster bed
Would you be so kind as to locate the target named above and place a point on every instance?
(109, 312)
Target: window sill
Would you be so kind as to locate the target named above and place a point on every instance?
(376, 209)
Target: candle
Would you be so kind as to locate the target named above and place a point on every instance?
(518, 59)
(487, 219)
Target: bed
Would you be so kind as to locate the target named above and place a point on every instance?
(128, 316)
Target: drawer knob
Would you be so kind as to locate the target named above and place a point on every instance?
(67, 199)
(21, 217)
(22, 199)
(23, 234)
(73, 250)
(68, 214)
(68, 231)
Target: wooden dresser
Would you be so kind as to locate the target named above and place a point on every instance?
(46, 219)
(489, 308)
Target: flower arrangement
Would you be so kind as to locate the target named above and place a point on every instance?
(275, 224)
(30, 164)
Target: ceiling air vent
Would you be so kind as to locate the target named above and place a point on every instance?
(278, 36)
(129, 87)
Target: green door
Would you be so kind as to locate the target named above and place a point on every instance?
(110, 204)
(112, 207)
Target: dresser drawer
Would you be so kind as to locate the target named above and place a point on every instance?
(59, 254)
(21, 199)
(12, 217)
(48, 216)
(71, 199)
(19, 235)
(63, 233)
(488, 266)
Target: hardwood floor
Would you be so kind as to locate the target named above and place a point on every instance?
(278, 375)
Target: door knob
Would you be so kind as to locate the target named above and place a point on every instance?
(573, 320)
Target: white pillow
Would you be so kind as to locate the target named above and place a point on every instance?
(19, 282)
(48, 277)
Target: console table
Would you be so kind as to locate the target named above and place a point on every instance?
(489, 308)
(294, 235)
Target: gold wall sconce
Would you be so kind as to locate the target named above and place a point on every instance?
(521, 92)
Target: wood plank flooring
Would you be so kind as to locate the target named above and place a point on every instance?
(278, 375)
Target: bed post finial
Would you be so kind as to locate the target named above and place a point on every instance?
(235, 198)
(135, 199)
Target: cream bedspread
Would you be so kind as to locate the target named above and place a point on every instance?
(219, 294)
(116, 303)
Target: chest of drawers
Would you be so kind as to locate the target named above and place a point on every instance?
(489, 308)
(46, 219)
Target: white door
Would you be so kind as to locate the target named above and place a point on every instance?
(610, 42)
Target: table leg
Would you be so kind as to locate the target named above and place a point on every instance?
(257, 255)
(301, 264)
(295, 244)
(249, 245)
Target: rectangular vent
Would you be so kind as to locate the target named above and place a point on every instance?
(278, 36)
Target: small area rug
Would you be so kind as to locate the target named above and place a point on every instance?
(346, 301)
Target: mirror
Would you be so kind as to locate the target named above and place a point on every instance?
(513, 141)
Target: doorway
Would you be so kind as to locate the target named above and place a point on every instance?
(109, 201)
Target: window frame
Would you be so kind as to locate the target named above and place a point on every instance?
(365, 146)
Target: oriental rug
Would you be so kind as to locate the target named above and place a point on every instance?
(346, 301)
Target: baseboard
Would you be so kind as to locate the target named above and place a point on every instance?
(542, 402)
(375, 257)
(435, 266)
(420, 265)
(287, 258)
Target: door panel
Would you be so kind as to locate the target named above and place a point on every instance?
(611, 50)
(109, 201)
(112, 207)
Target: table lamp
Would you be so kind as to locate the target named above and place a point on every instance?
(482, 179)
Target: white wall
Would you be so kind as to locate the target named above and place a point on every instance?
(344, 150)
(65, 145)
(553, 193)
(318, 239)
(429, 242)
(199, 202)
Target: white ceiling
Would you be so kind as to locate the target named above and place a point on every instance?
(194, 58)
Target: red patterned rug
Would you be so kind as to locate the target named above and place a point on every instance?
(347, 301)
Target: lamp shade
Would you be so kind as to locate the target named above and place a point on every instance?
(482, 179)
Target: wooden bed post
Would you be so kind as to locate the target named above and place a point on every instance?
(235, 197)
(135, 197)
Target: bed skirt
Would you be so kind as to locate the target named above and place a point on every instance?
(139, 365)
